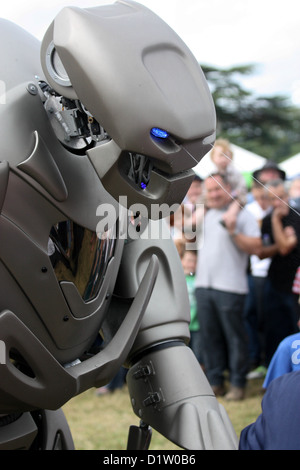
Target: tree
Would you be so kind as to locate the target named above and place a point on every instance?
(267, 125)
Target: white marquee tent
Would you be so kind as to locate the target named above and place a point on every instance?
(291, 166)
(244, 161)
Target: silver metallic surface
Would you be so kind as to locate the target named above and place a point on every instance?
(75, 136)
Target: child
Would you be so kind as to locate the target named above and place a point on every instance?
(222, 156)
(189, 262)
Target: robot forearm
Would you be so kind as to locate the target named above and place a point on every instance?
(169, 392)
(168, 388)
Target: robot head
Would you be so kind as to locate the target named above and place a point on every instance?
(120, 107)
(143, 91)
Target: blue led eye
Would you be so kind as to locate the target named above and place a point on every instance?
(160, 133)
(143, 185)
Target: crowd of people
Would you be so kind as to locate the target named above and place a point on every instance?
(240, 251)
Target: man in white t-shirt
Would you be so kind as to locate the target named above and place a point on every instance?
(221, 287)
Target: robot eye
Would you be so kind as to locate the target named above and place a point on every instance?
(159, 133)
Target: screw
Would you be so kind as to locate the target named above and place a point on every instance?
(32, 89)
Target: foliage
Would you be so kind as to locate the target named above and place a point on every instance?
(266, 125)
(102, 422)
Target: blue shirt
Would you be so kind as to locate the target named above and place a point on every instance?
(278, 426)
(285, 359)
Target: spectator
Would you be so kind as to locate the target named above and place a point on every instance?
(222, 157)
(116, 383)
(296, 290)
(186, 223)
(294, 193)
(281, 242)
(254, 313)
(277, 428)
(221, 287)
(270, 171)
(194, 195)
(189, 262)
(285, 359)
(193, 212)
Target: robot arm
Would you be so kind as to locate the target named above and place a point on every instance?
(168, 388)
(117, 115)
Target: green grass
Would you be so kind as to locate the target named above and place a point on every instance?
(102, 422)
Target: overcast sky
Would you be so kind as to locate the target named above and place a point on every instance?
(222, 33)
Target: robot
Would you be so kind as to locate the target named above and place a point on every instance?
(100, 123)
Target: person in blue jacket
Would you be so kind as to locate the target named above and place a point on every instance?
(278, 426)
(285, 359)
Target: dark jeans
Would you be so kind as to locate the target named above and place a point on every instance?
(119, 380)
(254, 318)
(281, 317)
(223, 335)
(195, 345)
